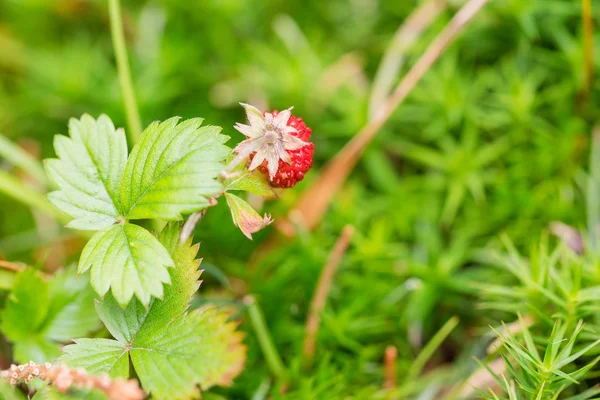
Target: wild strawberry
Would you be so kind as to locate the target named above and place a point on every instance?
(277, 143)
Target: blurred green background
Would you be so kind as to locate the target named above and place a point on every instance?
(495, 139)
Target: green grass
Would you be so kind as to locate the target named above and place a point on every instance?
(451, 198)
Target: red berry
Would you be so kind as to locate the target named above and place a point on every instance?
(278, 144)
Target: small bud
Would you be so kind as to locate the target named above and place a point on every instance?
(13, 381)
(36, 371)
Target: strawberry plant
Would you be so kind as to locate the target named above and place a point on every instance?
(144, 278)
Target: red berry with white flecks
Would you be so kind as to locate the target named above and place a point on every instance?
(277, 144)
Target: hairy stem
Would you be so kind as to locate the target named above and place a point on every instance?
(118, 38)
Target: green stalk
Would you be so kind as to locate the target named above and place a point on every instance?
(264, 339)
(20, 158)
(118, 38)
(593, 191)
(430, 348)
(14, 188)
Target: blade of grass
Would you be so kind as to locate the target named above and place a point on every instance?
(593, 190)
(18, 157)
(134, 123)
(430, 348)
(264, 339)
(14, 188)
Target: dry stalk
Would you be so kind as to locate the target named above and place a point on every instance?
(321, 293)
(389, 366)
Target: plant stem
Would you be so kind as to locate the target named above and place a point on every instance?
(118, 38)
(264, 339)
(14, 188)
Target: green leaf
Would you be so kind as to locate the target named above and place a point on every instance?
(128, 259)
(171, 351)
(51, 393)
(98, 356)
(88, 172)
(201, 347)
(26, 307)
(39, 316)
(7, 392)
(245, 217)
(172, 170)
(253, 182)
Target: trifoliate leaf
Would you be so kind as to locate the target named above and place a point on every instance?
(128, 259)
(245, 217)
(172, 170)
(39, 316)
(88, 172)
(171, 351)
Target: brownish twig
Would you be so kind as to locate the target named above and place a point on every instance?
(314, 202)
(389, 365)
(63, 378)
(408, 33)
(11, 266)
(322, 291)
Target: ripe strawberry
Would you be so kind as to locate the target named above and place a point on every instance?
(277, 143)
